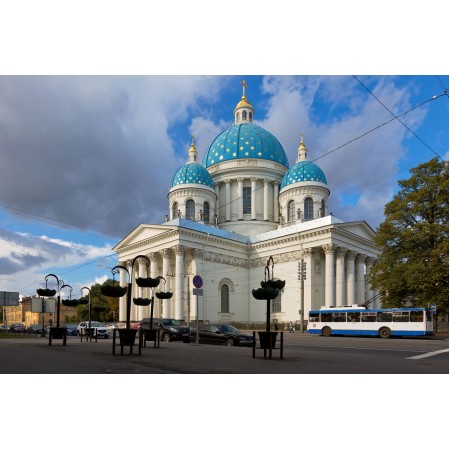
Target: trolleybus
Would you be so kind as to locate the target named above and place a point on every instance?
(357, 320)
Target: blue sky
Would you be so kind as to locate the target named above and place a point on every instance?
(85, 159)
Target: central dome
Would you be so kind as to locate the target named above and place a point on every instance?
(245, 141)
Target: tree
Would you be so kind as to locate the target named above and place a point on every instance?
(413, 266)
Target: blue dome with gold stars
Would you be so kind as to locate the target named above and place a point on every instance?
(192, 173)
(303, 171)
(245, 141)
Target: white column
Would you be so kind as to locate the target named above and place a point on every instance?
(340, 276)
(227, 200)
(308, 257)
(240, 198)
(266, 199)
(351, 291)
(123, 299)
(369, 290)
(254, 198)
(218, 208)
(276, 207)
(360, 282)
(329, 250)
(166, 266)
(179, 282)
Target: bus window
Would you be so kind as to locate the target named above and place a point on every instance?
(384, 317)
(353, 317)
(416, 316)
(368, 317)
(338, 317)
(400, 316)
(326, 317)
(314, 317)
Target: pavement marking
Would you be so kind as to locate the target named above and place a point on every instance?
(427, 355)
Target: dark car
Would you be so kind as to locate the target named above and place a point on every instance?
(17, 328)
(36, 329)
(71, 328)
(223, 334)
(171, 329)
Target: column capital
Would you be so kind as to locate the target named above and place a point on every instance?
(254, 179)
(329, 248)
(152, 256)
(341, 252)
(165, 252)
(351, 255)
(361, 258)
(309, 252)
(266, 181)
(227, 181)
(370, 261)
(179, 249)
(240, 179)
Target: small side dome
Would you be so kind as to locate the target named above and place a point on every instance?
(192, 173)
(303, 171)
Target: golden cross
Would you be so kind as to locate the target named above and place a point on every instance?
(193, 139)
(244, 87)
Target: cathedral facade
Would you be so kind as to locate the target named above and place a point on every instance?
(230, 213)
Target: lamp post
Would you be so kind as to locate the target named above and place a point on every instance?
(269, 290)
(90, 304)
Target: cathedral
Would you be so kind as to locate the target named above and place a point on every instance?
(231, 212)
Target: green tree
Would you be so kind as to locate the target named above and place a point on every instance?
(413, 266)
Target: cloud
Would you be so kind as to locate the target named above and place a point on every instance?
(93, 151)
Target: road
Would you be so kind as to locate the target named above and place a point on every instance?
(303, 354)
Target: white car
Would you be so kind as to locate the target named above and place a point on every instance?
(100, 328)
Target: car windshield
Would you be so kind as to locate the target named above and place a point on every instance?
(227, 329)
(177, 323)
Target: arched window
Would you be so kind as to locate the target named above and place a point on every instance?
(322, 208)
(190, 210)
(225, 299)
(174, 210)
(244, 115)
(308, 209)
(237, 117)
(291, 211)
(250, 116)
(206, 212)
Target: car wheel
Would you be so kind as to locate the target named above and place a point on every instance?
(166, 337)
(229, 342)
(326, 331)
(384, 333)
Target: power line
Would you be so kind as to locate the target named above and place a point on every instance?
(395, 116)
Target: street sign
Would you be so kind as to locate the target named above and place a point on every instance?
(43, 305)
(198, 292)
(9, 298)
(433, 309)
(198, 281)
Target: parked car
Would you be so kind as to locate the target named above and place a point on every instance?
(102, 331)
(72, 329)
(36, 329)
(17, 328)
(171, 329)
(223, 334)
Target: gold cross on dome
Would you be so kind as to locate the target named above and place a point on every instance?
(193, 139)
(244, 87)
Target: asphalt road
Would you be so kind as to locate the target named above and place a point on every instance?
(303, 354)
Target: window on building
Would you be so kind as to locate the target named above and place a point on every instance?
(291, 211)
(225, 299)
(237, 117)
(250, 116)
(322, 208)
(206, 212)
(174, 210)
(244, 115)
(276, 304)
(190, 210)
(308, 209)
(247, 201)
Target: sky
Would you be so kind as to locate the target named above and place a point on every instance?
(85, 159)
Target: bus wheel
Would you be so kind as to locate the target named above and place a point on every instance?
(326, 331)
(384, 333)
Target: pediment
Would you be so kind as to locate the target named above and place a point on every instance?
(361, 229)
(143, 232)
